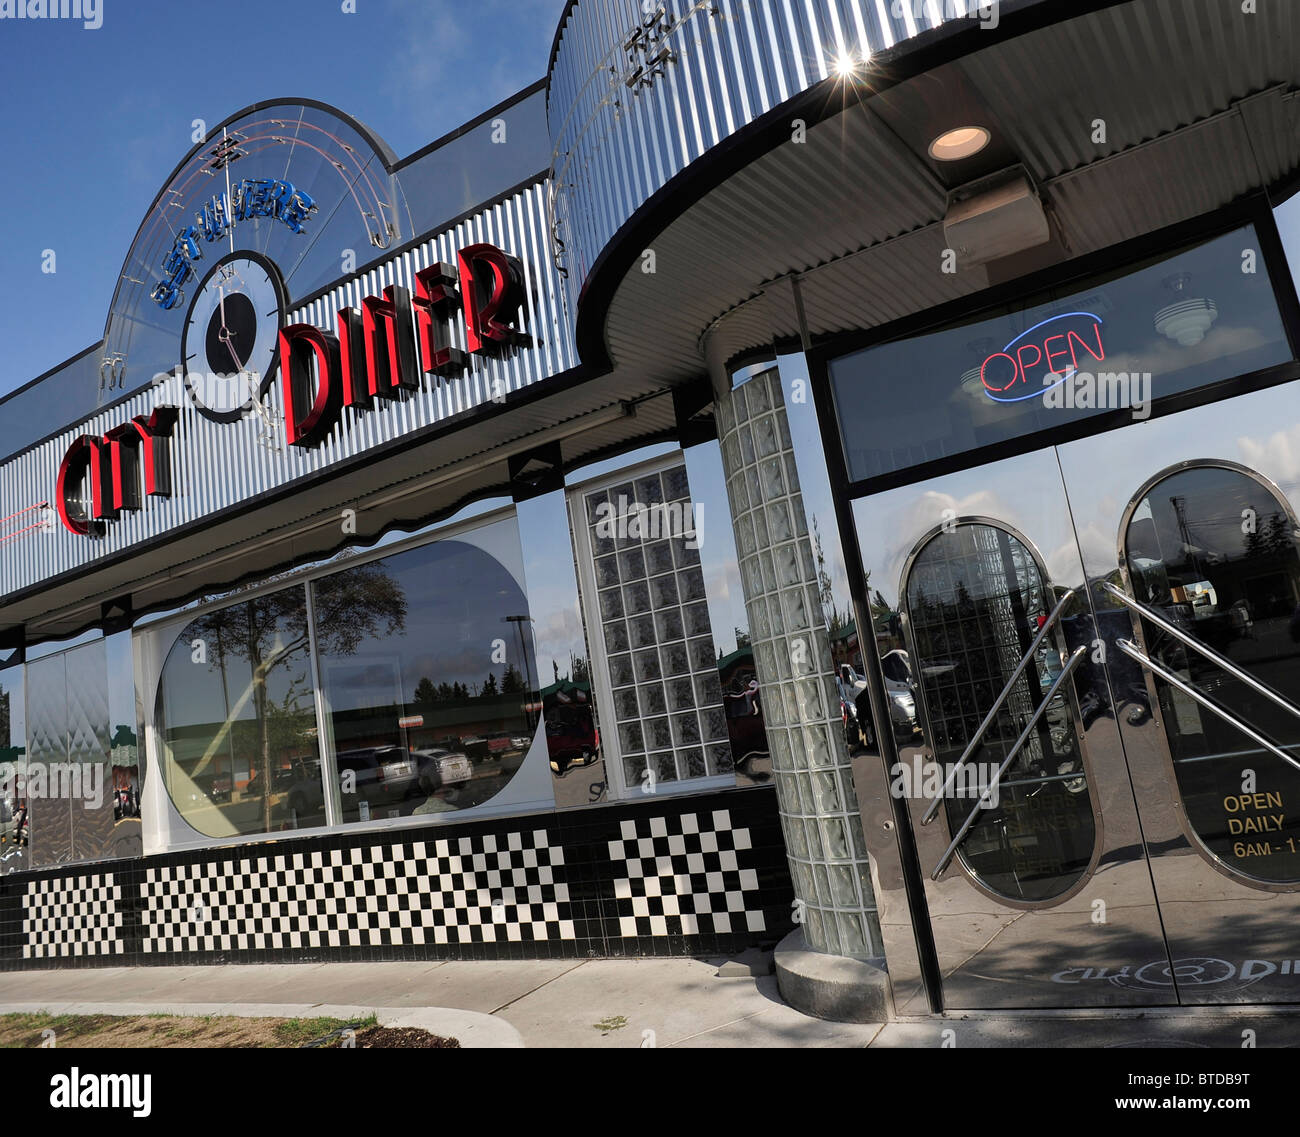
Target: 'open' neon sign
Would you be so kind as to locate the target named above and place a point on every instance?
(1020, 370)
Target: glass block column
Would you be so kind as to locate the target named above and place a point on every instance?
(810, 763)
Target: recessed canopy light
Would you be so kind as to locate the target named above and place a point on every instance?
(962, 142)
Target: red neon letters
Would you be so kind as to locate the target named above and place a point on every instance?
(392, 343)
(114, 469)
(1056, 352)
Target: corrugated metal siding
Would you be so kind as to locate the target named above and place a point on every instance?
(735, 60)
(217, 466)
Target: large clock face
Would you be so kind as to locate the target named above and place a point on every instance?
(228, 345)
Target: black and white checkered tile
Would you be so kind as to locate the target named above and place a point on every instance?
(492, 888)
(682, 875)
(71, 916)
(653, 878)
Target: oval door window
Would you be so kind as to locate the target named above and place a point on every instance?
(1213, 550)
(976, 598)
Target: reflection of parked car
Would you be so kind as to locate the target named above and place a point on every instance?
(306, 796)
(571, 738)
(382, 773)
(372, 773)
(897, 670)
(500, 744)
(438, 767)
(475, 747)
(857, 725)
(282, 778)
(10, 823)
(219, 788)
(521, 741)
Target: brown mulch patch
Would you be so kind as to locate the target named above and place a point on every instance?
(403, 1038)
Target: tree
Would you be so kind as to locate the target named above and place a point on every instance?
(490, 685)
(426, 694)
(270, 632)
(512, 682)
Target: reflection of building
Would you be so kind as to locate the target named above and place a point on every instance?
(336, 599)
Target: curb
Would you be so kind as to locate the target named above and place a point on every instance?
(475, 1031)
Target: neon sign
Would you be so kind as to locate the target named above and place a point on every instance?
(132, 461)
(1017, 373)
(253, 197)
(393, 342)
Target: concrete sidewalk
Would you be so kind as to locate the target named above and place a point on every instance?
(608, 1003)
(550, 1003)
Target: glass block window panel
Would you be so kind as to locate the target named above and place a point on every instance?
(650, 600)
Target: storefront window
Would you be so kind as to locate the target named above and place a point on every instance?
(236, 719)
(427, 668)
(1172, 325)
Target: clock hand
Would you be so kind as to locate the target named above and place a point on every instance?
(238, 362)
(224, 333)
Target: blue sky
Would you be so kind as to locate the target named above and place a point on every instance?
(94, 120)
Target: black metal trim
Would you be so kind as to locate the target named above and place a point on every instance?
(473, 124)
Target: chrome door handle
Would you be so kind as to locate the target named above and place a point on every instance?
(1131, 650)
(1070, 665)
(978, 736)
(1204, 650)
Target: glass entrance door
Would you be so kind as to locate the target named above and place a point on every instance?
(1188, 533)
(1011, 769)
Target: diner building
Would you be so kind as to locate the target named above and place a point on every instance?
(816, 473)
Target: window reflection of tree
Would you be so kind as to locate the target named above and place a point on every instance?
(269, 633)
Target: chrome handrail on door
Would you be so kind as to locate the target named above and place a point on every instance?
(978, 736)
(1070, 665)
(1204, 650)
(1129, 648)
